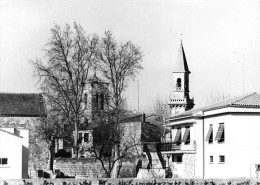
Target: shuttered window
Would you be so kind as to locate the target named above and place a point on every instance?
(220, 137)
(209, 137)
(186, 136)
(3, 161)
(177, 138)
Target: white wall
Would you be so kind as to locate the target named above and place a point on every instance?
(11, 148)
(241, 147)
(198, 137)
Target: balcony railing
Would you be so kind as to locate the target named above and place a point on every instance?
(169, 146)
(165, 147)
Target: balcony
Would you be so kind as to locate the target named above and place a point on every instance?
(167, 147)
(171, 147)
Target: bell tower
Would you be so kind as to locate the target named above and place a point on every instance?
(180, 100)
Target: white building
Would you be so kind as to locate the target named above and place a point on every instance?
(217, 141)
(221, 140)
(13, 154)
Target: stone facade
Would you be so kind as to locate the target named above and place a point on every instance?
(189, 165)
(92, 168)
(38, 150)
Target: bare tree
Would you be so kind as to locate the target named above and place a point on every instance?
(160, 108)
(47, 130)
(214, 98)
(117, 63)
(63, 73)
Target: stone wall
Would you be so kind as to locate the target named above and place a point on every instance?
(91, 168)
(189, 165)
(38, 150)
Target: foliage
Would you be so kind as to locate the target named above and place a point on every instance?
(117, 63)
(63, 73)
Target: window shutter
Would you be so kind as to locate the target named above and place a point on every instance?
(186, 134)
(220, 132)
(178, 136)
(209, 133)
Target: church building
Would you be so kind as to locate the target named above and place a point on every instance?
(180, 100)
(220, 140)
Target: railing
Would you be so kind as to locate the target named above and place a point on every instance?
(165, 147)
(168, 146)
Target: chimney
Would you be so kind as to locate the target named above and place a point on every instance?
(16, 132)
(143, 117)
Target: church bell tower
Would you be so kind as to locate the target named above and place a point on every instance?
(180, 100)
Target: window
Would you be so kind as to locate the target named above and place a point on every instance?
(178, 86)
(211, 159)
(86, 137)
(3, 161)
(96, 101)
(186, 136)
(177, 158)
(220, 137)
(102, 101)
(209, 137)
(221, 159)
(80, 137)
(177, 138)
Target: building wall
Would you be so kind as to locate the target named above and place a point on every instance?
(38, 150)
(241, 147)
(132, 136)
(191, 153)
(84, 146)
(11, 148)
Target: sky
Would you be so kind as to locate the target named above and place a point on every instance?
(221, 40)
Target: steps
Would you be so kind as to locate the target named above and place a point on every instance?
(156, 163)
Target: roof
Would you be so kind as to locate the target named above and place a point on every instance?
(10, 133)
(22, 104)
(181, 62)
(246, 100)
(133, 117)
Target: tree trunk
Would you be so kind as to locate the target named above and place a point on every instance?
(75, 145)
(116, 167)
(51, 155)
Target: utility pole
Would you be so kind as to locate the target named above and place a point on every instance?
(243, 73)
(138, 95)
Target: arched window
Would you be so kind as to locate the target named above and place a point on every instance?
(178, 85)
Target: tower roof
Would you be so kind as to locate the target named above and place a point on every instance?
(181, 63)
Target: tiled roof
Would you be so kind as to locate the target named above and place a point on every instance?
(13, 104)
(181, 63)
(246, 100)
